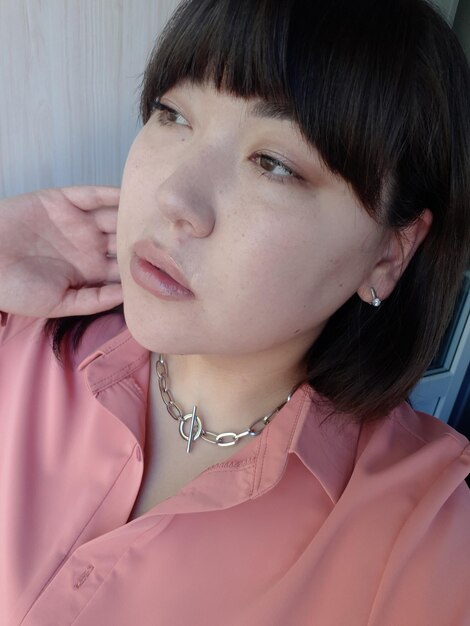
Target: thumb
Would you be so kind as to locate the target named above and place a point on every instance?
(89, 300)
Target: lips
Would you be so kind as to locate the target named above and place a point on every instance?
(148, 251)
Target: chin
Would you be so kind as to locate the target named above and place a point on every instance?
(155, 336)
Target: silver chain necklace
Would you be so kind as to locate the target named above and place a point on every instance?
(196, 428)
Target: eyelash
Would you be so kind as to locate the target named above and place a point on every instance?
(164, 114)
(292, 176)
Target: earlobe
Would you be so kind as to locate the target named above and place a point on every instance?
(399, 249)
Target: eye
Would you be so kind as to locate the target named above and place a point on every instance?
(274, 169)
(167, 116)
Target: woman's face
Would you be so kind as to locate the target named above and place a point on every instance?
(270, 243)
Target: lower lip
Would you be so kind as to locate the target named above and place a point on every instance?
(157, 282)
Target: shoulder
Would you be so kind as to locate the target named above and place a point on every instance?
(417, 464)
(414, 441)
(12, 325)
(440, 445)
(429, 559)
(20, 333)
(424, 427)
(426, 462)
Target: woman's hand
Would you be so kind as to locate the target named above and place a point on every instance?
(54, 247)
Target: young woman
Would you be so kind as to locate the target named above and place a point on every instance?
(232, 444)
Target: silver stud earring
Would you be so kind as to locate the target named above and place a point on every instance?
(376, 301)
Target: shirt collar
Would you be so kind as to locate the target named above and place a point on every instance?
(326, 442)
(119, 368)
(305, 426)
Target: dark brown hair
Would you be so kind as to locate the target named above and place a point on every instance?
(381, 88)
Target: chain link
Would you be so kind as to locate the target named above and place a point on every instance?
(222, 439)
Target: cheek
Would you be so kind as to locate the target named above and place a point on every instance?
(290, 275)
(282, 257)
(140, 178)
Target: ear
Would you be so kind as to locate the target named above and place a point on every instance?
(396, 252)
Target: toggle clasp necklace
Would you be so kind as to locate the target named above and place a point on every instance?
(196, 429)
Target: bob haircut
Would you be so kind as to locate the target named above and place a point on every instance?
(381, 88)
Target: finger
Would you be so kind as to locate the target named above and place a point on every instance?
(89, 300)
(89, 197)
(111, 245)
(106, 219)
(113, 274)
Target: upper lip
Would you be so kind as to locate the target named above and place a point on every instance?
(150, 252)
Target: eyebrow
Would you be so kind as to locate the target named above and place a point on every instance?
(274, 110)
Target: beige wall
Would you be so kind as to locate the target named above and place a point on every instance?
(69, 75)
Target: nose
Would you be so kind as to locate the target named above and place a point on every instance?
(184, 199)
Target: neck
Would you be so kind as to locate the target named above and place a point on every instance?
(232, 392)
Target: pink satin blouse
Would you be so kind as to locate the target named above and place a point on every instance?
(309, 524)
